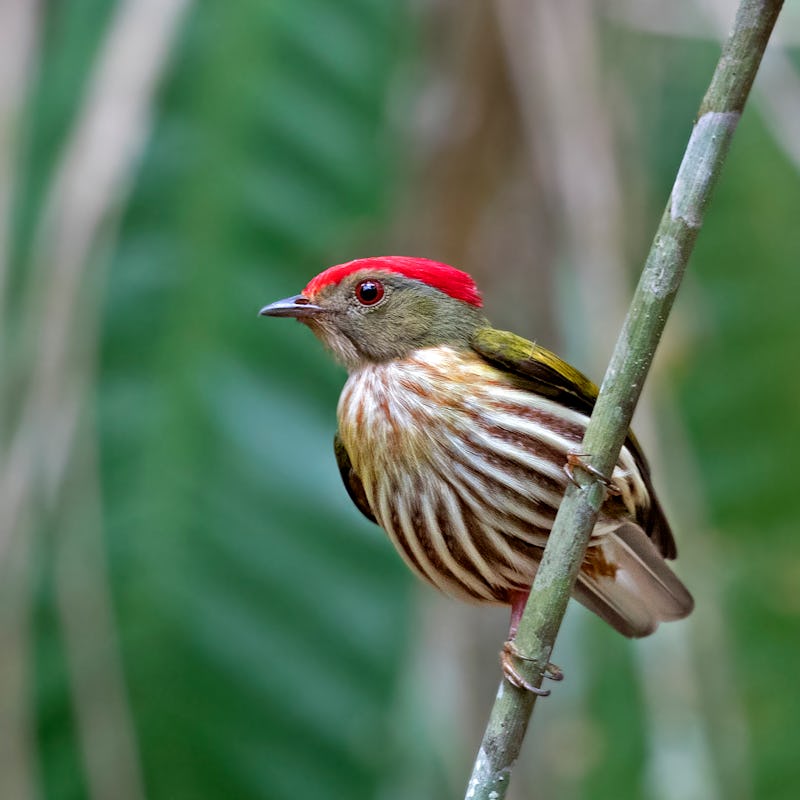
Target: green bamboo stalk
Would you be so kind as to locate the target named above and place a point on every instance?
(674, 241)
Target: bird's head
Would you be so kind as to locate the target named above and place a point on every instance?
(379, 309)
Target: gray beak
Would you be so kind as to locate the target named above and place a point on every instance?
(297, 306)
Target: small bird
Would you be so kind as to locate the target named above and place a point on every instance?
(459, 439)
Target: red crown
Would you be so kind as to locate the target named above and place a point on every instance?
(451, 281)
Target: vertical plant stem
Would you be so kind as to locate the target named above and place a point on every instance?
(674, 241)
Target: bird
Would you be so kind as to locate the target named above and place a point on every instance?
(459, 439)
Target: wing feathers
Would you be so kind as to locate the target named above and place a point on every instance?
(355, 489)
(641, 592)
(544, 373)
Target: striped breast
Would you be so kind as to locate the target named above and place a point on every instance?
(463, 469)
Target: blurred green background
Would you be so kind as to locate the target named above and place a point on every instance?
(189, 605)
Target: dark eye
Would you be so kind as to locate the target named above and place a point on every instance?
(369, 292)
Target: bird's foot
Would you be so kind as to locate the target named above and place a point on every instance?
(577, 460)
(507, 656)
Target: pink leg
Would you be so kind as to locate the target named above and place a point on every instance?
(510, 652)
(518, 600)
(576, 460)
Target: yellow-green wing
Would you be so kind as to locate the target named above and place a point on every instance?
(351, 480)
(542, 371)
(545, 373)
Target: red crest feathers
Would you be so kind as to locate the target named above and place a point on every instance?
(446, 279)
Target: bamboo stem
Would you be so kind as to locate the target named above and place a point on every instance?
(674, 241)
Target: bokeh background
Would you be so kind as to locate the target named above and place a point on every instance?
(190, 608)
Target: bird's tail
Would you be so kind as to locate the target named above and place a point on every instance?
(627, 582)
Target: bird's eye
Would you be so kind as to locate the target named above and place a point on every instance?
(369, 292)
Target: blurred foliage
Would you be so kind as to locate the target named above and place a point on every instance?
(741, 393)
(229, 535)
(256, 611)
(265, 628)
(738, 393)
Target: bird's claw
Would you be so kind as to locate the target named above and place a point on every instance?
(577, 460)
(507, 656)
